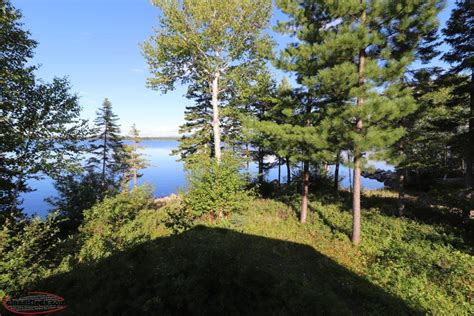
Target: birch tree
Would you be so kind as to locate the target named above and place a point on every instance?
(206, 40)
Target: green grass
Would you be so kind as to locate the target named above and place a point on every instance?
(262, 261)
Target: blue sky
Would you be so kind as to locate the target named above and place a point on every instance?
(96, 44)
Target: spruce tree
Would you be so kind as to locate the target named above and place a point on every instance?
(352, 55)
(197, 131)
(107, 149)
(459, 34)
(134, 159)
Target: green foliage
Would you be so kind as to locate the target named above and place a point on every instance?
(108, 156)
(134, 160)
(76, 193)
(197, 135)
(197, 39)
(427, 265)
(214, 191)
(404, 265)
(116, 223)
(30, 249)
(40, 123)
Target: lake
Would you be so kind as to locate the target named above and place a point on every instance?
(166, 175)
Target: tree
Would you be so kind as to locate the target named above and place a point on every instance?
(197, 139)
(205, 40)
(77, 191)
(107, 149)
(297, 133)
(47, 131)
(375, 43)
(459, 32)
(254, 98)
(16, 47)
(134, 160)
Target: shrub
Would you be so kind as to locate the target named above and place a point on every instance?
(214, 191)
(117, 223)
(30, 249)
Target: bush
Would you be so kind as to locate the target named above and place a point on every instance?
(30, 249)
(214, 191)
(117, 223)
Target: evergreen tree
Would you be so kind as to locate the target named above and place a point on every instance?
(254, 98)
(134, 160)
(107, 149)
(197, 131)
(459, 34)
(206, 41)
(357, 53)
(297, 133)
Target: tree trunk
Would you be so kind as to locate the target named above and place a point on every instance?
(247, 153)
(305, 193)
(260, 165)
(104, 156)
(470, 155)
(357, 154)
(279, 170)
(215, 117)
(135, 178)
(336, 171)
(288, 171)
(401, 192)
(356, 202)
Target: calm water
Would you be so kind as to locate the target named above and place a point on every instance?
(166, 175)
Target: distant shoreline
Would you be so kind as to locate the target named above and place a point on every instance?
(154, 138)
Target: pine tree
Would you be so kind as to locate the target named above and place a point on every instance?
(205, 41)
(459, 34)
(293, 125)
(352, 55)
(134, 159)
(254, 98)
(107, 149)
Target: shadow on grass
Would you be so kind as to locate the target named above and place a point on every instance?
(219, 271)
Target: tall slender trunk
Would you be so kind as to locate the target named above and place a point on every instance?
(336, 171)
(104, 155)
(215, 116)
(279, 170)
(247, 153)
(305, 193)
(401, 192)
(357, 154)
(351, 184)
(470, 155)
(288, 171)
(401, 184)
(260, 165)
(135, 178)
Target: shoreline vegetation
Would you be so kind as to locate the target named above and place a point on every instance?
(366, 86)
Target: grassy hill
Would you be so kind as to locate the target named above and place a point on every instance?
(262, 261)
